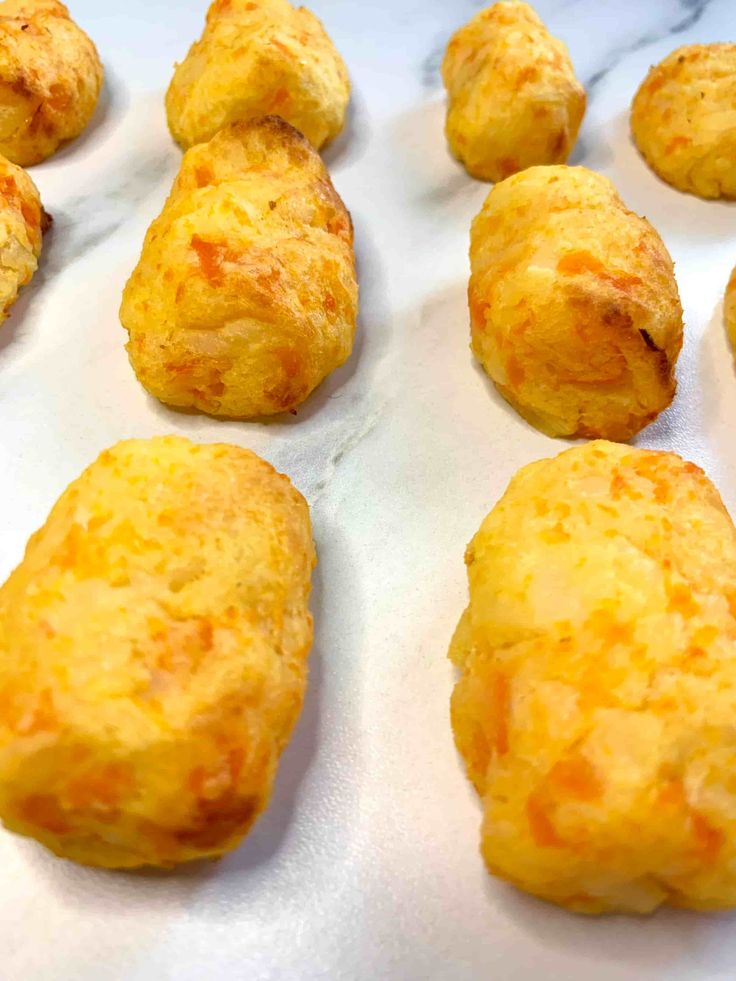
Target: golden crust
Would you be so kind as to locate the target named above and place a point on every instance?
(598, 690)
(683, 119)
(574, 308)
(153, 647)
(50, 79)
(245, 297)
(255, 58)
(513, 98)
(22, 223)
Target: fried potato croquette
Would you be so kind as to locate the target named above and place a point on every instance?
(245, 297)
(574, 308)
(50, 79)
(729, 308)
(513, 98)
(22, 224)
(153, 647)
(683, 119)
(598, 691)
(256, 58)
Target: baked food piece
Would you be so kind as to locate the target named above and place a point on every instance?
(683, 119)
(729, 308)
(50, 79)
(22, 224)
(513, 98)
(597, 693)
(245, 296)
(574, 308)
(255, 58)
(153, 647)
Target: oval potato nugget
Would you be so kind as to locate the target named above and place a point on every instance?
(258, 58)
(729, 308)
(50, 79)
(597, 693)
(22, 224)
(153, 647)
(513, 98)
(574, 308)
(683, 119)
(244, 298)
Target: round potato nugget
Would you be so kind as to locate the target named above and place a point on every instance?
(257, 58)
(22, 224)
(513, 98)
(245, 296)
(683, 119)
(153, 647)
(574, 308)
(597, 693)
(50, 79)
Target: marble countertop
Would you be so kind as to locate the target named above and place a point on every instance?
(366, 866)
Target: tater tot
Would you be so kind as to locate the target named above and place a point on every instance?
(513, 98)
(153, 647)
(595, 708)
(245, 296)
(256, 58)
(22, 223)
(50, 79)
(729, 308)
(574, 308)
(683, 119)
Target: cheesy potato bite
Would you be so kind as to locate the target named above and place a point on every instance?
(255, 58)
(50, 79)
(22, 224)
(574, 308)
(683, 119)
(729, 308)
(597, 693)
(245, 297)
(513, 98)
(153, 647)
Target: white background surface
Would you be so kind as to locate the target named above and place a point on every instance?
(366, 865)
